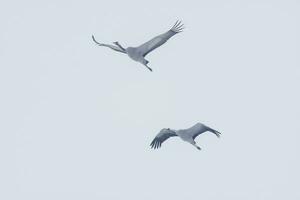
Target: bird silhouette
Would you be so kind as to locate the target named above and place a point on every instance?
(187, 135)
(138, 53)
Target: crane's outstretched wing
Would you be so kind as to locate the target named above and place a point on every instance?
(217, 133)
(206, 128)
(160, 39)
(163, 135)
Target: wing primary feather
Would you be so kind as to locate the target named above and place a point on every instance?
(178, 23)
(152, 142)
(160, 138)
(175, 24)
(180, 26)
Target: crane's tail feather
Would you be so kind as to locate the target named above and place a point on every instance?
(178, 27)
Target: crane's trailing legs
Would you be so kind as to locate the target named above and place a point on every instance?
(195, 145)
(148, 67)
(144, 62)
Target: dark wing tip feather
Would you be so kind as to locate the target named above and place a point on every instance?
(217, 133)
(160, 138)
(156, 143)
(175, 24)
(178, 27)
(152, 144)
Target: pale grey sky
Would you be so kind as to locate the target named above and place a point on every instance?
(78, 119)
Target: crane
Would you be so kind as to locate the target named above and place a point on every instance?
(187, 135)
(138, 53)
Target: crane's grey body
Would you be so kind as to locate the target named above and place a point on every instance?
(138, 53)
(187, 135)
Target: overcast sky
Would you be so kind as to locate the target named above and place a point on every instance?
(78, 119)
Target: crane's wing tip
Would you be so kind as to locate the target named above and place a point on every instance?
(155, 144)
(178, 27)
